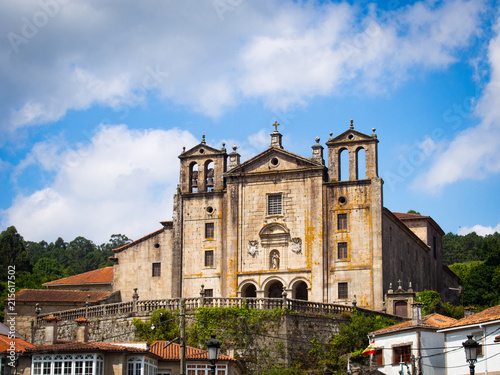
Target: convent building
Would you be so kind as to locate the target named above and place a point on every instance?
(283, 222)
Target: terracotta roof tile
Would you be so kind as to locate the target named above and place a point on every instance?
(51, 318)
(75, 346)
(403, 216)
(488, 315)
(49, 295)
(436, 321)
(172, 352)
(19, 344)
(102, 275)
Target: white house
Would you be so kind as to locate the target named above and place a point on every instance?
(415, 345)
(485, 327)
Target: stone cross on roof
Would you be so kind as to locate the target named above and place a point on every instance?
(275, 126)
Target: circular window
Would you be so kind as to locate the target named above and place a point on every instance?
(210, 209)
(350, 137)
(202, 151)
(342, 200)
(157, 245)
(274, 161)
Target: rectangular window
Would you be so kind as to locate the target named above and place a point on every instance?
(342, 222)
(209, 292)
(209, 230)
(209, 258)
(401, 353)
(156, 269)
(478, 336)
(343, 290)
(342, 250)
(274, 204)
(434, 246)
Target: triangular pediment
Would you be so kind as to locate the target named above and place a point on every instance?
(201, 149)
(274, 159)
(351, 135)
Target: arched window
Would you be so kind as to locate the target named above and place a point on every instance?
(360, 164)
(300, 291)
(249, 291)
(344, 165)
(193, 178)
(274, 260)
(275, 290)
(209, 175)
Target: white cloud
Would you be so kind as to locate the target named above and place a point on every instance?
(479, 229)
(122, 181)
(96, 53)
(473, 153)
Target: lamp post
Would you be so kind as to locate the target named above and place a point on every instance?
(213, 346)
(470, 346)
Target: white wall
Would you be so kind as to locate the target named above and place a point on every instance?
(489, 363)
(433, 361)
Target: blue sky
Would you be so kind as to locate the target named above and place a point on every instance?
(97, 100)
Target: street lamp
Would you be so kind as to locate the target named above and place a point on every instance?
(470, 347)
(213, 346)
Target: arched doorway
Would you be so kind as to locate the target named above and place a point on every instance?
(300, 291)
(249, 291)
(275, 290)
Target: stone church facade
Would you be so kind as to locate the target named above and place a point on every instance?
(283, 222)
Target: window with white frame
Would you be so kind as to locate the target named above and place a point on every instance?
(68, 364)
(140, 365)
(205, 369)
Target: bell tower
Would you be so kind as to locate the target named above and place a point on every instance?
(354, 146)
(202, 169)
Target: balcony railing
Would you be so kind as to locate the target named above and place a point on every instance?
(145, 307)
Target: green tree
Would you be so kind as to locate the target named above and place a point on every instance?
(13, 252)
(49, 269)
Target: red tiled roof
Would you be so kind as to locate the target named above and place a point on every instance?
(49, 295)
(488, 315)
(20, 345)
(76, 346)
(100, 276)
(403, 216)
(173, 352)
(436, 321)
(51, 318)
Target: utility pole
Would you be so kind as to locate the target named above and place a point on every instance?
(182, 335)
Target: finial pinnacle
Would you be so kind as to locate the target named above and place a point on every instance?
(352, 124)
(235, 148)
(317, 140)
(203, 138)
(275, 126)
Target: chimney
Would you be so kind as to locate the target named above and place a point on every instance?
(416, 313)
(51, 329)
(469, 311)
(230, 346)
(82, 330)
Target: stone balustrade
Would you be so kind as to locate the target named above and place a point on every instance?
(146, 307)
